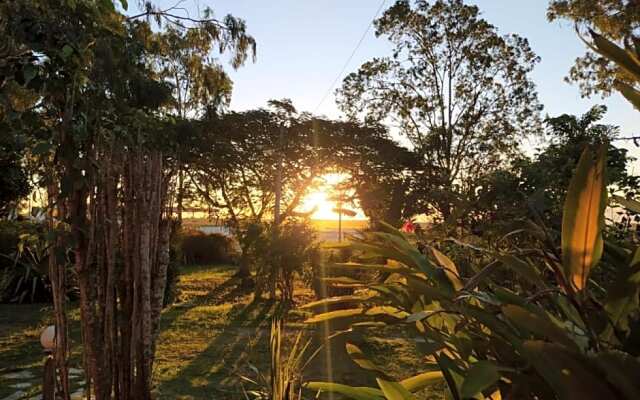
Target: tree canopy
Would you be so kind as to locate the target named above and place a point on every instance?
(459, 91)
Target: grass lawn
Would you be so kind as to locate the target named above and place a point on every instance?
(209, 338)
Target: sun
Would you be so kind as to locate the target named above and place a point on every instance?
(320, 200)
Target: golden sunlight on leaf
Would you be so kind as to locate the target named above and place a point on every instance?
(583, 218)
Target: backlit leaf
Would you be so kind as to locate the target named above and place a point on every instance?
(352, 392)
(334, 314)
(583, 218)
(394, 390)
(423, 380)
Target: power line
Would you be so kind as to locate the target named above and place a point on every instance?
(353, 53)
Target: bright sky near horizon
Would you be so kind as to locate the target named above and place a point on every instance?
(303, 45)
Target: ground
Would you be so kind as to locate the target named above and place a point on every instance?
(211, 338)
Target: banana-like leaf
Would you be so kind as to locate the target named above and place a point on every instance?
(423, 380)
(352, 392)
(368, 267)
(571, 375)
(449, 267)
(363, 362)
(522, 268)
(335, 314)
(480, 376)
(583, 218)
(616, 54)
(387, 310)
(336, 300)
(621, 369)
(631, 94)
(538, 325)
(394, 390)
(622, 298)
(343, 281)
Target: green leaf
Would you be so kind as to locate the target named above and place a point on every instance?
(352, 392)
(622, 298)
(423, 380)
(334, 314)
(394, 390)
(583, 218)
(124, 4)
(571, 375)
(335, 300)
(522, 268)
(363, 362)
(368, 267)
(480, 376)
(540, 326)
(449, 267)
(621, 369)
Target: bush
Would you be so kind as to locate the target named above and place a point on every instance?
(552, 339)
(280, 256)
(200, 249)
(23, 263)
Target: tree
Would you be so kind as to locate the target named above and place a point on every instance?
(97, 130)
(459, 91)
(201, 88)
(536, 188)
(598, 22)
(14, 181)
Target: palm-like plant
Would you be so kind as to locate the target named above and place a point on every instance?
(549, 339)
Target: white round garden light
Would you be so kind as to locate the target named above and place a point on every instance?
(48, 338)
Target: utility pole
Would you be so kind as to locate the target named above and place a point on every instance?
(340, 219)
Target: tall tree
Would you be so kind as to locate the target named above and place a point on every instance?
(95, 119)
(617, 21)
(458, 90)
(187, 59)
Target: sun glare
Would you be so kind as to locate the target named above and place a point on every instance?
(320, 200)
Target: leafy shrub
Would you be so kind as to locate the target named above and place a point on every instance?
(551, 339)
(23, 263)
(282, 254)
(200, 248)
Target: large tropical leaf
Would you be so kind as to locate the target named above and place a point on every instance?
(351, 299)
(570, 374)
(352, 392)
(394, 390)
(449, 267)
(480, 376)
(423, 380)
(583, 218)
(541, 327)
(335, 314)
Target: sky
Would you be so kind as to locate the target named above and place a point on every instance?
(304, 44)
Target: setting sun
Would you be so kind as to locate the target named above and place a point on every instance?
(320, 200)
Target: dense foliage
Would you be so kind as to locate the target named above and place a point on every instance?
(550, 336)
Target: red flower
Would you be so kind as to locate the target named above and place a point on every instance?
(408, 227)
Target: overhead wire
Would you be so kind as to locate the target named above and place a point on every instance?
(353, 53)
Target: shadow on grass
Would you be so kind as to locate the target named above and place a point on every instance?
(214, 371)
